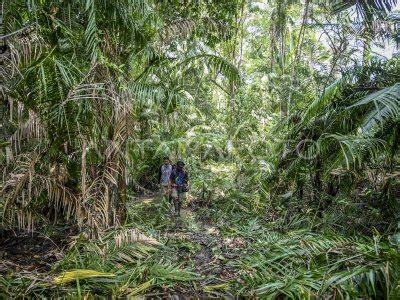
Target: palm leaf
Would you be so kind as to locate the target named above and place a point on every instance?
(72, 276)
(386, 107)
(218, 64)
(330, 93)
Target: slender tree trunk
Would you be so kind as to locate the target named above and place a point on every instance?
(122, 190)
(297, 54)
(83, 169)
(317, 182)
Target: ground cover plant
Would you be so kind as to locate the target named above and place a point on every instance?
(286, 115)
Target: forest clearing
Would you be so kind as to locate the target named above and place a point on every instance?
(173, 149)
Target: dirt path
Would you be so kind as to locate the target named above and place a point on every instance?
(209, 252)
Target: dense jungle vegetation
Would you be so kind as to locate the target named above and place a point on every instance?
(285, 112)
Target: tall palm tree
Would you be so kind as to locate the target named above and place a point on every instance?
(75, 74)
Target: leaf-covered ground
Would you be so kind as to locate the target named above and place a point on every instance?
(206, 252)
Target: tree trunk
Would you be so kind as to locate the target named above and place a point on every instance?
(121, 206)
(317, 182)
(122, 192)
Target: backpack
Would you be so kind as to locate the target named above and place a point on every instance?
(180, 181)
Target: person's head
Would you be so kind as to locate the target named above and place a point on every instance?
(180, 164)
(166, 160)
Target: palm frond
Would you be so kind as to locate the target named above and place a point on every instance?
(330, 93)
(378, 7)
(91, 37)
(356, 149)
(386, 106)
(218, 65)
(184, 28)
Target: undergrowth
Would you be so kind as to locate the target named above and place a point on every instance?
(247, 254)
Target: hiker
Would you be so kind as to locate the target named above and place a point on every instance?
(164, 176)
(179, 182)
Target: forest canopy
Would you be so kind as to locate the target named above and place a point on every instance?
(283, 114)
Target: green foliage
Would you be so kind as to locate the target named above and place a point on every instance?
(288, 122)
(84, 78)
(300, 264)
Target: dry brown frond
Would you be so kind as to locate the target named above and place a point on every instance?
(133, 235)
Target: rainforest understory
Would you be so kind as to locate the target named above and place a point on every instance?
(286, 114)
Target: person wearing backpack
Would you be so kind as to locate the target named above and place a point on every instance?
(164, 175)
(180, 185)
